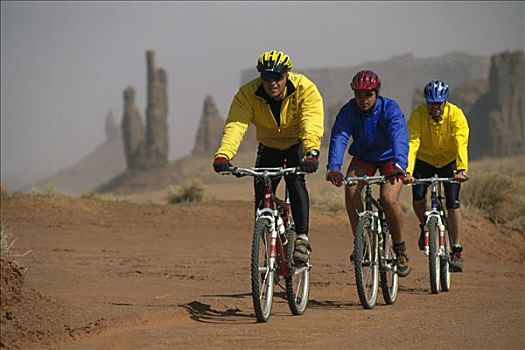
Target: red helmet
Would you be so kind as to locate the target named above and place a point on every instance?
(366, 80)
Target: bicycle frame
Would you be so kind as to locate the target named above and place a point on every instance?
(380, 249)
(436, 210)
(369, 211)
(436, 236)
(272, 209)
(274, 228)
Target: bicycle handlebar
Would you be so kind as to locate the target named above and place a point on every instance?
(262, 172)
(349, 181)
(435, 179)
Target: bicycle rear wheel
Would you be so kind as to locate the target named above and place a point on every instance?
(433, 256)
(365, 261)
(261, 271)
(297, 281)
(388, 268)
(444, 264)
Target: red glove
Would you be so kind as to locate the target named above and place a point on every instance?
(221, 164)
(310, 162)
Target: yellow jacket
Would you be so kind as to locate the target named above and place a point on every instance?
(301, 117)
(438, 143)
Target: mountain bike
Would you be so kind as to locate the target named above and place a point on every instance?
(272, 248)
(436, 236)
(373, 253)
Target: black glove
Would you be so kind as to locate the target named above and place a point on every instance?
(221, 164)
(310, 162)
(335, 177)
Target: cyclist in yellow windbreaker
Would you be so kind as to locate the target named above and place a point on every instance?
(438, 140)
(287, 111)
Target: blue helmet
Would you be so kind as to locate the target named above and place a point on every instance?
(436, 91)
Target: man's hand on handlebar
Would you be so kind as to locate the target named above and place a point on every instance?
(335, 177)
(310, 162)
(461, 176)
(221, 164)
(398, 173)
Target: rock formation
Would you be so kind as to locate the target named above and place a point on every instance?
(147, 147)
(506, 102)
(210, 129)
(156, 115)
(132, 131)
(112, 130)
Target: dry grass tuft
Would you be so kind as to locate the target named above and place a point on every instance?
(106, 197)
(498, 197)
(48, 191)
(191, 191)
(329, 200)
(6, 242)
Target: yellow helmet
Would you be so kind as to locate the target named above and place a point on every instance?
(274, 61)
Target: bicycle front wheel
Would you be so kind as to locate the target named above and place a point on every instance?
(444, 264)
(297, 281)
(262, 271)
(365, 261)
(433, 256)
(388, 268)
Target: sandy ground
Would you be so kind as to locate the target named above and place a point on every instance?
(120, 275)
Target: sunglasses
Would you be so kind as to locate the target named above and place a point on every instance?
(271, 76)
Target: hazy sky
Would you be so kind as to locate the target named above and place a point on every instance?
(65, 64)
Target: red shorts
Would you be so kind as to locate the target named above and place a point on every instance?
(370, 169)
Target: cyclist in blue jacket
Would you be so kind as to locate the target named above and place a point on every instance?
(380, 141)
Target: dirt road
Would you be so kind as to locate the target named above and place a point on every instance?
(117, 275)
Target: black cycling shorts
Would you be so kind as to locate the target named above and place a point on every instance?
(425, 170)
(299, 201)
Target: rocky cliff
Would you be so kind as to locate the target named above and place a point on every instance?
(506, 103)
(495, 107)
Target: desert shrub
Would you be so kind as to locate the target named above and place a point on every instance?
(108, 197)
(6, 242)
(498, 197)
(188, 192)
(49, 191)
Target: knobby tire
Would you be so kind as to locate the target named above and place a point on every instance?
(445, 263)
(388, 268)
(262, 277)
(434, 264)
(297, 282)
(365, 263)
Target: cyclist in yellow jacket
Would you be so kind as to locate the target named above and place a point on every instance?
(287, 111)
(438, 140)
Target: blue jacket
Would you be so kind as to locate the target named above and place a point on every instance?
(378, 136)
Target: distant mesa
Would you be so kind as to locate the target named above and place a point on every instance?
(99, 166)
